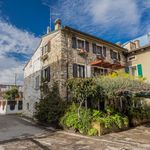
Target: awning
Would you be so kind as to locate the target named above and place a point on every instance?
(117, 66)
(106, 64)
(101, 63)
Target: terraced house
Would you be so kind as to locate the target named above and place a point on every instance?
(138, 59)
(67, 53)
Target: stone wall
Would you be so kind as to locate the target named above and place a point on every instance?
(69, 56)
(31, 94)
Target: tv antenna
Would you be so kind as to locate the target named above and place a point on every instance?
(51, 14)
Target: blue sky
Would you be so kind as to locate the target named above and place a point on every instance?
(22, 22)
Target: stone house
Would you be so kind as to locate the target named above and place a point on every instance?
(67, 53)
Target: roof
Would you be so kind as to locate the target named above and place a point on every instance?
(80, 32)
(139, 49)
(95, 37)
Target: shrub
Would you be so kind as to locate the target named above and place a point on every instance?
(71, 119)
(51, 107)
(84, 123)
(11, 94)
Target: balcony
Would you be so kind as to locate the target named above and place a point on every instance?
(82, 52)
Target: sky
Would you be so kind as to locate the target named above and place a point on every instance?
(23, 22)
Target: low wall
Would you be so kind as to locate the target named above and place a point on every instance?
(10, 107)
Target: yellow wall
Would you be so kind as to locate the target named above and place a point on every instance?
(143, 58)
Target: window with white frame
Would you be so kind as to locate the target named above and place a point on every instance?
(115, 55)
(133, 71)
(78, 70)
(80, 44)
(99, 50)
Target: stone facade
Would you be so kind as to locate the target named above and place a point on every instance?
(55, 57)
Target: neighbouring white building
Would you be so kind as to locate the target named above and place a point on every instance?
(10, 106)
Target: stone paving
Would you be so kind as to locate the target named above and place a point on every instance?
(19, 134)
(134, 139)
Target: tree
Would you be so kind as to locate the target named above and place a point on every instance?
(82, 89)
(11, 94)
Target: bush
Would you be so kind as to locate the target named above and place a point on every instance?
(72, 120)
(51, 107)
(83, 124)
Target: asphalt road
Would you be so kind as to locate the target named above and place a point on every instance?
(12, 127)
(18, 134)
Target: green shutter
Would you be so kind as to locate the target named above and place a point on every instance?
(140, 73)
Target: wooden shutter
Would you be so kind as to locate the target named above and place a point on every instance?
(94, 48)
(49, 46)
(140, 73)
(74, 70)
(87, 46)
(74, 42)
(111, 54)
(119, 57)
(41, 75)
(104, 51)
(48, 73)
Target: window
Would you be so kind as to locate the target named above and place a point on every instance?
(99, 50)
(45, 49)
(131, 58)
(115, 55)
(133, 71)
(136, 70)
(46, 74)
(78, 71)
(80, 44)
(37, 82)
(100, 71)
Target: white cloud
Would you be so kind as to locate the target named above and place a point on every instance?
(106, 18)
(16, 41)
(116, 12)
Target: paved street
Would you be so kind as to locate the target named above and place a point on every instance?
(38, 139)
(14, 127)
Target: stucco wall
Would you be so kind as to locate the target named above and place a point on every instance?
(142, 58)
(7, 110)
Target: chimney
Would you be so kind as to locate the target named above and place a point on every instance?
(137, 43)
(57, 24)
(48, 30)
